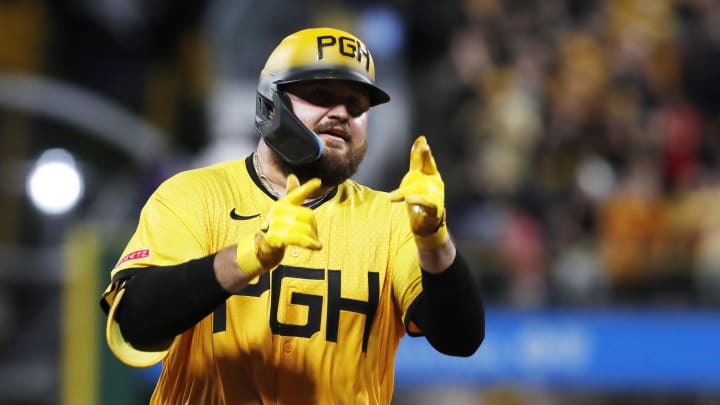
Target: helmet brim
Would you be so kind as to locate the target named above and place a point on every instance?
(376, 94)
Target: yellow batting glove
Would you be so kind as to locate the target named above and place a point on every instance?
(423, 191)
(288, 223)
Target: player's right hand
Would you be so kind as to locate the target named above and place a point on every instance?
(288, 223)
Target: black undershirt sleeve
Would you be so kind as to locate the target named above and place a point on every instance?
(162, 302)
(449, 311)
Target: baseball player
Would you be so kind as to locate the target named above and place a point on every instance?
(276, 279)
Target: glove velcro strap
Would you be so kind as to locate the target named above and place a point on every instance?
(246, 257)
(254, 256)
(433, 240)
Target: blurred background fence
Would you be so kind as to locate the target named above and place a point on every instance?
(579, 141)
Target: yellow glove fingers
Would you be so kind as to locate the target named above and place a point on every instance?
(410, 184)
(423, 191)
(294, 224)
(421, 158)
(424, 215)
(288, 223)
(397, 196)
(285, 215)
(296, 194)
(427, 161)
(291, 184)
(416, 158)
(306, 238)
(420, 201)
(423, 220)
(417, 202)
(429, 166)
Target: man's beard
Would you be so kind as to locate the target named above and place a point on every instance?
(331, 168)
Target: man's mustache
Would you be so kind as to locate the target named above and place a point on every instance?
(331, 125)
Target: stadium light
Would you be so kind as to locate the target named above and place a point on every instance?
(55, 184)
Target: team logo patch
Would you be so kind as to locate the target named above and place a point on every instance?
(138, 254)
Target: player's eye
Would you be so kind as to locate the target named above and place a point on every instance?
(355, 105)
(322, 97)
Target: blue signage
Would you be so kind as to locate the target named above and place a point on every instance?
(589, 349)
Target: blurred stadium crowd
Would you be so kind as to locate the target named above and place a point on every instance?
(579, 139)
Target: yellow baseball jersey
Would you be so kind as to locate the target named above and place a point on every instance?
(322, 328)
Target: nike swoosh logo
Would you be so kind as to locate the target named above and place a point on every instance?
(234, 215)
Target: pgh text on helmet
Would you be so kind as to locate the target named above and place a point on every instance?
(349, 47)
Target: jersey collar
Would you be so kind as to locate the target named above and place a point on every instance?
(256, 179)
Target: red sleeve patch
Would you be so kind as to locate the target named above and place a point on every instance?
(138, 254)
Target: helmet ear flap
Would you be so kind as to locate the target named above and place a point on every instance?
(263, 109)
(286, 134)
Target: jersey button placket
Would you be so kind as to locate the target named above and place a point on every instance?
(287, 346)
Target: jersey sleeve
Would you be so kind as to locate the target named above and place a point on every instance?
(170, 231)
(406, 275)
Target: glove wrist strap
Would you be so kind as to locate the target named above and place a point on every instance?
(254, 256)
(433, 240)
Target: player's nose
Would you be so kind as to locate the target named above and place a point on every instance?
(339, 112)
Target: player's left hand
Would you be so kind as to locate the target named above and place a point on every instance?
(423, 191)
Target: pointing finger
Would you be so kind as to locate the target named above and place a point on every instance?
(296, 194)
(292, 183)
(416, 153)
(397, 195)
(428, 162)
